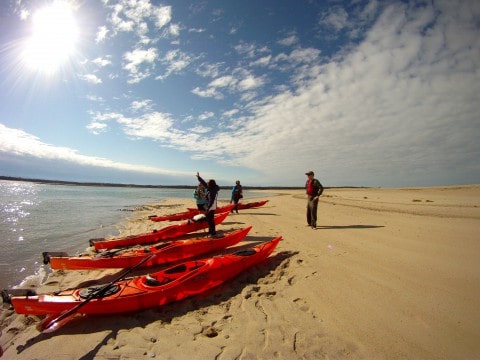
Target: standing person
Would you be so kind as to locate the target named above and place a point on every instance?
(237, 194)
(314, 189)
(199, 195)
(210, 203)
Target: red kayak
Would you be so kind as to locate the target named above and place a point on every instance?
(165, 253)
(250, 205)
(166, 233)
(147, 291)
(243, 206)
(191, 212)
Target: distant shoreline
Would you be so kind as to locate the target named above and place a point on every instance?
(75, 183)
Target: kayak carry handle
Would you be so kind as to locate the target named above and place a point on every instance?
(8, 293)
(49, 254)
(93, 241)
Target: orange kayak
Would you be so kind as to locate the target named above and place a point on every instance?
(166, 233)
(165, 253)
(141, 292)
(191, 212)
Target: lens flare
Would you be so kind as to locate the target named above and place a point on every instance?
(53, 39)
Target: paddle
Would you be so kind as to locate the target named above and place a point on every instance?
(55, 321)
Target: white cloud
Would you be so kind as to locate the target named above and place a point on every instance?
(223, 81)
(250, 82)
(95, 98)
(230, 113)
(240, 81)
(407, 92)
(153, 125)
(201, 129)
(141, 105)
(91, 78)
(102, 62)
(289, 40)
(163, 15)
(263, 61)
(139, 63)
(175, 61)
(298, 56)
(101, 34)
(336, 18)
(206, 115)
(208, 70)
(196, 30)
(174, 30)
(20, 143)
(140, 17)
(250, 50)
(207, 93)
(97, 127)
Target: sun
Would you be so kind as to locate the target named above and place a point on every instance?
(53, 38)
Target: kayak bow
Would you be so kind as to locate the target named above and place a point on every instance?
(190, 213)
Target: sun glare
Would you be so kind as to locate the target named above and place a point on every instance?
(53, 38)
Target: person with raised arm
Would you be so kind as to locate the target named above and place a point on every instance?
(211, 196)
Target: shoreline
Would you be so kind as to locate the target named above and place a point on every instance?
(98, 184)
(387, 274)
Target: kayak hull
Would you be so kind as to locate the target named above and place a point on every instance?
(191, 212)
(142, 292)
(165, 253)
(243, 206)
(167, 233)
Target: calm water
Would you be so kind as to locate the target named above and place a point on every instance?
(37, 217)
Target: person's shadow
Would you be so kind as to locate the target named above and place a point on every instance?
(333, 227)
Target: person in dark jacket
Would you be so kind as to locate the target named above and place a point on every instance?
(211, 196)
(314, 189)
(237, 194)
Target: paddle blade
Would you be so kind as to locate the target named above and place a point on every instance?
(53, 322)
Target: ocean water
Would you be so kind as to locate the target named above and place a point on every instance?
(40, 217)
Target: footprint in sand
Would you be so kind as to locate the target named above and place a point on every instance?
(301, 304)
(210, 332)
(250, 292)
(13, 330)
(50, 283)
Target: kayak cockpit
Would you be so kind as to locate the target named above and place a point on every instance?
(171, 274)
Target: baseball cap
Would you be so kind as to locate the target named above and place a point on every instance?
(310, 173)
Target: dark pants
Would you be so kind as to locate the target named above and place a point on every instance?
(235, 201)
(201, 207)
(211, 222)
(312, 211)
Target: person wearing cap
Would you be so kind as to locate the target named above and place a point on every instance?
(314, 189)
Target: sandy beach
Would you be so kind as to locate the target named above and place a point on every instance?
(387, 274)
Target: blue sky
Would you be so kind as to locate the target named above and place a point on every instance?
(365, 93)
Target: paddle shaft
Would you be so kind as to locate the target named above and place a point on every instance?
(46, 323)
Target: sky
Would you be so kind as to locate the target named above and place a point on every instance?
(364, 93)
